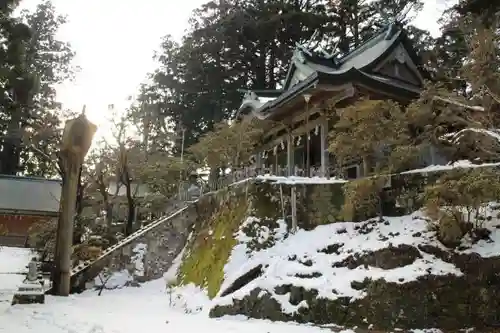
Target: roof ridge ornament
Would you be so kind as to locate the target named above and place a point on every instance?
(394, 24)
(403, 13)
(306, 47)
(317, 50)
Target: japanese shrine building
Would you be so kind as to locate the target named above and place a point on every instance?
(25, 201)
(384, 67)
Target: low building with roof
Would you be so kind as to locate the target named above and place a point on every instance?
(385, 66)
(25, 201)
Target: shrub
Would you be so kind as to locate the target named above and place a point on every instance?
(362, 199)
(457, 202)
(84, 252)
(3, 230)
(42, 237)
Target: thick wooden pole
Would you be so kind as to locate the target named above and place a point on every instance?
(324, 150)
(307, 98)
(290, 154)
(56, 271)
(72, 166)
(293, 199)
(76, 141)
(258, 161)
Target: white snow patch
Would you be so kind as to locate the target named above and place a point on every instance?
(189, 299)
(113, 280)
(170, 275)
(14, 259)
(122, 278)
(13, 270)
(138, 258)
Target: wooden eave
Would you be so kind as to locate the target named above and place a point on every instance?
(321, 81)
(28, 213)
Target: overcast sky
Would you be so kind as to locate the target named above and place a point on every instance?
(114, 41)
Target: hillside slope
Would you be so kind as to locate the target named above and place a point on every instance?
(383, 274)
(380, 273)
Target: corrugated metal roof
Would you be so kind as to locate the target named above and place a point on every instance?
(25, 194)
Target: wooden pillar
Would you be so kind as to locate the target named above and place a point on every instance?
(258, 165)
(308, 155)
(72, 164)
(307, 98)
(293, 199)
(324, 148)
(76, 141)
(290, 154)
(258, 160)
(276, 165)
(432, 151)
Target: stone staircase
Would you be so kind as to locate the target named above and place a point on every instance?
(86, 265)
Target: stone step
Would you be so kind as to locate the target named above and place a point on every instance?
(125, 241)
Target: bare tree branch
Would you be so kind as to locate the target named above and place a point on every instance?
(48, 158)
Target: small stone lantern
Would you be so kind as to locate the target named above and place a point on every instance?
(31, 290)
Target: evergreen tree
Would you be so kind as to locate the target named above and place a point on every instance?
(16, 84)
(231, 45)
(248, 44)
(50, 60)
(33, 62)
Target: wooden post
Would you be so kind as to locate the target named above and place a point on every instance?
(258, 160)
(77, 138)
(71, 166)
(293, 200)
(324, 148)
(290, 154)
(307, 98)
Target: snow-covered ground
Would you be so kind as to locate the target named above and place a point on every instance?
(304, 254)
(131, 310)
(13, 262)
(150, 308)
(153, 308)
(128, 310)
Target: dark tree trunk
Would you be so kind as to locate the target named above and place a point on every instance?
(131, 205)
(79, 194)
(105, 198)
(11, 153)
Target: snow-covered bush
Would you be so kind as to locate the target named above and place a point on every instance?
(458, 203)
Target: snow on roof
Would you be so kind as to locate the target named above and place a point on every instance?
(459, 104)
(454, 137)
(299, 180)
(282, 263)
(265, 100)
(462, 164)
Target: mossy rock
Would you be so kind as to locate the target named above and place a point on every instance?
(253, 231)
(213, 241)
(266, 199)
(323, 203)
